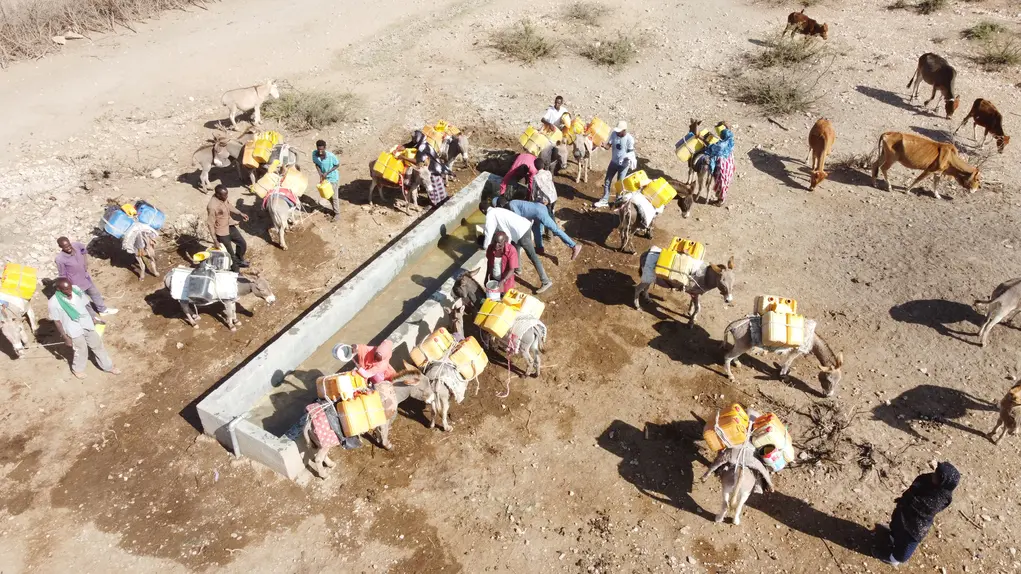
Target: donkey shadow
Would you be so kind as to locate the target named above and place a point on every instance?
(660, 461)
(938, 314)
(934, 404)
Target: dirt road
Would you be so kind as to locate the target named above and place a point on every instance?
(593, 467)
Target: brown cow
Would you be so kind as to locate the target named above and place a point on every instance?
(935, 70)
(1010, 414)
(820, 142)
(798, 22)
(917, 152)
(984, 113)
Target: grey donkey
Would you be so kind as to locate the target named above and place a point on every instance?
(403, 389)
(439, 382)
(830, 363)
(12, 325)
(246, 285)
(582, 151)
(1010, 414)
(720, 277)
(249, 99)
(416, 179)
(631, 221)
(1003, 305)
(219, 153)
(454, 148)
(280, 214)
(740, 472)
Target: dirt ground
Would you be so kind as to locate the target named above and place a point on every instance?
(593, 467)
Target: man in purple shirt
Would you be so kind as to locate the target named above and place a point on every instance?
(73, 263)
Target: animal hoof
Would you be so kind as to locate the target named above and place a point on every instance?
(194, 326)
(388, 446)
(448, 428)
(737, 521)
(233, 329)
(719, 518)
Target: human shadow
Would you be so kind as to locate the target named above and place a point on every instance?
(934, 405)
(800, 515)
(939, 314)
(887, 97)
(773, 164)
(592, 227)
(606, 286)
(658, 461)
(296, 390)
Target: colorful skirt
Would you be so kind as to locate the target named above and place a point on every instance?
(438, 189)
(724, 175)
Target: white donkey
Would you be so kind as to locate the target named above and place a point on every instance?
(13, 313)
(1004, 303)
(176, 282)
(249, 99)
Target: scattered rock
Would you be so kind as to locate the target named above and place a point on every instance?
(60, 40)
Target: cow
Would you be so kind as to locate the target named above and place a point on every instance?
(802, 24)
(935, 70)
(918, 152)
(984, 113)
(820, 142)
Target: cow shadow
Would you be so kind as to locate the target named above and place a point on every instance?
(939, 314)
(892, 98)
(931, 404)
(658, 461)
(606, 286)
(942, 136)
(848, 176)
(772, 164)
(800, 515)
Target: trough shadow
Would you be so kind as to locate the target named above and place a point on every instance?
(773, 164)
(892, 98)
(938, 314)
(606, 286)
(662, 466)
(799, 515)
(932, 404)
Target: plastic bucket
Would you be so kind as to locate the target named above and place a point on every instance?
(343, 353)
(493, 291)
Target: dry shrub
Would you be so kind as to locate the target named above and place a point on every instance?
(27, 27)
(312, 110)
(788, 51)
(779, 95)
(851, 161)
(997, 54)
(983, 31)
(930, 6)
(615, 53)
(899, 5)
(587, 13)
(524, 43)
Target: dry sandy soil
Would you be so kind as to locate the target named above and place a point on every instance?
(592, 468)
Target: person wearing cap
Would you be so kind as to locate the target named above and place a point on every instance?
(553, 119)
(916, 509)
(327, 164)
(622, 160)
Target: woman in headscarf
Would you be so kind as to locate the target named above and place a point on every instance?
(374, 362)
(721, 161)
(916, 509)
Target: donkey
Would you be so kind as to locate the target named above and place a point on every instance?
(582, 151)
(249, 99)
(737, 469)
(280, 214)
(219, 153)
(526, 337)
(830, 363)
(140, 241)
(416, 178)
(1010, 414)
(404, 386)
(636, 214)
(1004, 304)
(439, 381)
(13, 312)
(704, 280)
(454, 147)
(246, 285)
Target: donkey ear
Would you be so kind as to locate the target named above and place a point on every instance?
(409, 367)
(840, 360)
(730, 264)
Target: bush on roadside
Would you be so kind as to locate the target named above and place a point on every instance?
(615, 53)
(587, 13)
(523, 42)
(311, 110)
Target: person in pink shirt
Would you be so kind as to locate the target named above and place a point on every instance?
(525, 165)
(374, 362)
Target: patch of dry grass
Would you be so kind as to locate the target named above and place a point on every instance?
(27, 28)
(930, 6)
(998, 54)
(983, 31)
(523, 42)
(615, 53)
(587, 13)
(312, 110)
(788, 51)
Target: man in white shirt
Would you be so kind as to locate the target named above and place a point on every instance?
(554, 116)
(70, 312)
(519, 230)
(622, 160)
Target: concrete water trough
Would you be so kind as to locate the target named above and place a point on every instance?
(398, 295)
